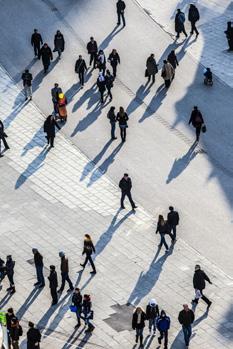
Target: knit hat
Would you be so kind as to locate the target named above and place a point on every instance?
(61, 254)
(152, 302)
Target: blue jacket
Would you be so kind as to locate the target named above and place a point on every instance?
(163, 323)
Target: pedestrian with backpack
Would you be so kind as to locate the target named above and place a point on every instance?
(179, 23)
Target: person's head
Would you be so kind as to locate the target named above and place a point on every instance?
(229, 24)
(58, 32)
(112, 108)
(30, 324)
(26, 71)
(139, 310)
(80, 56)
(171, 208)
(14, 322)
(152, 302)
(162, 314)
(126, 176)
(56, 84)
(208, 69)
(152, 55)
(52, 267)
(45, 45)
(114, 51)
(173, 52)
(35, 30)
(121, 110)
(186, 307)
(164, 61)
(10, 311)
(61, 254)
(87, 237)
(197, 267)
(9, 257)
(87, 297)
(101, 52)
(195, 107)
(108, 72)
(34, 250)
(77, 290)
(178, 10)
(91, 38)
(161, 219)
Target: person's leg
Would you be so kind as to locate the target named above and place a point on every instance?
(198, 131)
(163, 241)
(192, 27)
(165, 339)
(122, 199)
(137, 335)
(63, 280)
(189, 333)
(195, 29)
(102, 96)
(80, 78)
(114, 69)
(41, 276)
(131, 200)
(123, 18)
(149, 77)
(69, 282)
(150, 324)
(5, 143)
(153, 78)
(186, 335)
(122, 134)
(167, 83)
(85, 262)
(174, 232)
(205, 299)
(154, 325)
(52, 141)
(141, 336)
(184, 31)
(54, 295)
(59, 53)
(92, 264)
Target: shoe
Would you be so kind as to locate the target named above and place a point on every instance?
(59, 291)
(9, 289)
(209, 305)
(41, 286)
(166, 251)
(134, 207)
(12, 291)
(118, 23)
(77, 326)
(123, 207)
(70, 290)
(82, 265)
(30, 98)
(114, 138)
(53, 303)
(154, 333)
(159, 340)
(26, 99)
(93, 272)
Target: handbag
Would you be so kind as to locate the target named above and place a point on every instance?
(146, 73)
(203, 128)
(73, 308)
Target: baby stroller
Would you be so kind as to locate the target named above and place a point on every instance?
(208, 78)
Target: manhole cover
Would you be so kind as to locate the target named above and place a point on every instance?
(121, 320)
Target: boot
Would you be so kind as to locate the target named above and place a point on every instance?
(141, 341)
(136, 340)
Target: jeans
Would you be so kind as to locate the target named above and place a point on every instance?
(65, 277)
(187, 330)
(193, 28)
(59, 51)
(109, 92)
(123, 133)
(114, 69)
(78, 314)
(128, 194)
(88, 258)
(93, 59)
(113, 128)
(165, 335)
(39, 274)
(120, 15)
(152, 324)
(28, 91)
(163, 241)
(139, 333)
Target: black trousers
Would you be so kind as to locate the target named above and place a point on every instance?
(153, 78)
(50, 140)
(120, 15)
(36, 49)
(164, 334)
(93, 59)
(53, 292)
(3, 139)
(167, 83)
(114, 69)
(198, 131)
(109, 91)
(193, 28)
(123, 133)
(89, 259)
(81, 77)
(205, 299)
(11, 279)
(128, 194)
(182, 31)
(64, 278)
(102, 96)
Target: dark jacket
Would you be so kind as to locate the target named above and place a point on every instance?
(9, 317)
(193, 15)
(173, 218)
(172, 59)
(27, 79)
(199, 279)
(152, 311)
(86, 307)
(38, 259)
(49, 127)
(122, 119)
(36, 39)
(196, 118)
(163, 323)
(59, 42)
(125, 184)
(55, 92)
(80, 66)
(53, 279)
(92, 47)
(114, 59)
(163, 229)
(64, 265)
(77, 299)
(2, 133)
(111, 116)
(33, 337)
(151, 66)
(109, 81)
(101, 85)
(46, 55)
(88, 247)
(179, 22)
(141, 324)
(120, 5)
(10, 264)
(186, 318)
(16, 331)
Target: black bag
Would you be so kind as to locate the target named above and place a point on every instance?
(203, 128)
(146, 73)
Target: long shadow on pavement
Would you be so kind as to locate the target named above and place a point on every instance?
(28, 302)
(104, 44)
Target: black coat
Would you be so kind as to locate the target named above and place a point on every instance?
(27, 79)
(92, 47)
(179, 23)
(151, 66)
(125, 184)
(111, 116)
(77, 299)
(38, 259)
(193, 15)
(59, 42)
(196, 118)
(152, 311)
(141, 324)
(173, 218)
(2, 133)
(33, 337)
(163, 229)
(46, 55)
(120, 6)
(114, 59)
(199, 279)
(53, 279)
(101, 85)
(10, 264)
(186, 318)
(109, 81)
(80, 66)
(36, 39)
(172, 59)
(49, 127)
(16, 332)
(122, 119)
(88, 248)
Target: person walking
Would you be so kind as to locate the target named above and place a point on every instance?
(114, 60)
(152, 313)
(179, 23)
(112, 118)
(10, 315)
(151, 68)
(193, 17)
(197, 121)
(101, 86)
(3, 137)
(167, 73)
(80, 68)
(36, 41)
(16, 332)
(88, 250)
(172, 59)
(46, 54)
(138, 324)
(199, 283)
(173, 220)
(101, 61)
(109, 78)
(92, 49)
(59, 43)
(229, 36)
(10, 265)
(27, 84)
(33, 336)
(163, 325)
(125, 185)
(162, 229)
(65, 273)
(38, 261)
(186, 318)
(120, 5)
(77, 299)
(88, 313)
(53, 283)
(49, 128)
(122, 118)
(55, 91)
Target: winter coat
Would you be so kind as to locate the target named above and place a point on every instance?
(101, 61)
(49, 127)
(141, 324)
(27, 79)
(152, 311)
(114, 59)
(101, 85)
(122, 119)
(112, 116)
(10, 264)
(125, 184)
(77, 299)
(59, 42)
(196, 118)
(53, 283)
(173, 218)
(179, 22)
(2, 133)
(172, 59)
(55, 92)
(163, 323)
(92, 47)
(109, 81)
(64, 265)
(151, 66)
(9, 317)
(163, 229)
(88, 247)
(120, 5)
(86, 307)
(80, 66)
(38, 259)
(36, 39)
(46, 55)
(186, 318)
(199, 279)
(193, 15)
(167, 71)
(16, 331)
(33, 337)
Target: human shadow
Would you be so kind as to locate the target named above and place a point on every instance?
(185, 44)
(28, 302)
(72, 339)
(5, 300)
(88, 120)
(222, 327)
(19, 104)
(148, 279)
(90, 95)
(103, 168)
(181, 5)
(84, 340)
(173, 46)
(36, 141)
(41, 75)
(33, 167)
(107, 236)
(135, 103)
(182, 163)
(91, 164)
(104, 44)
(155, 103)
(75, 88)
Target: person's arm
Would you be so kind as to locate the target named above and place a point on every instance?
(180, 318)
(56, 124)
(176, 60)
(41, 40)
(190, 120)
(85, 66)
(157, 229)
(118, 59)
(55, 37)
(51, 55)
(192, 316)
(93, 247)
(169, 323)
(126, 117)
(32, 40)
(206, 278)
